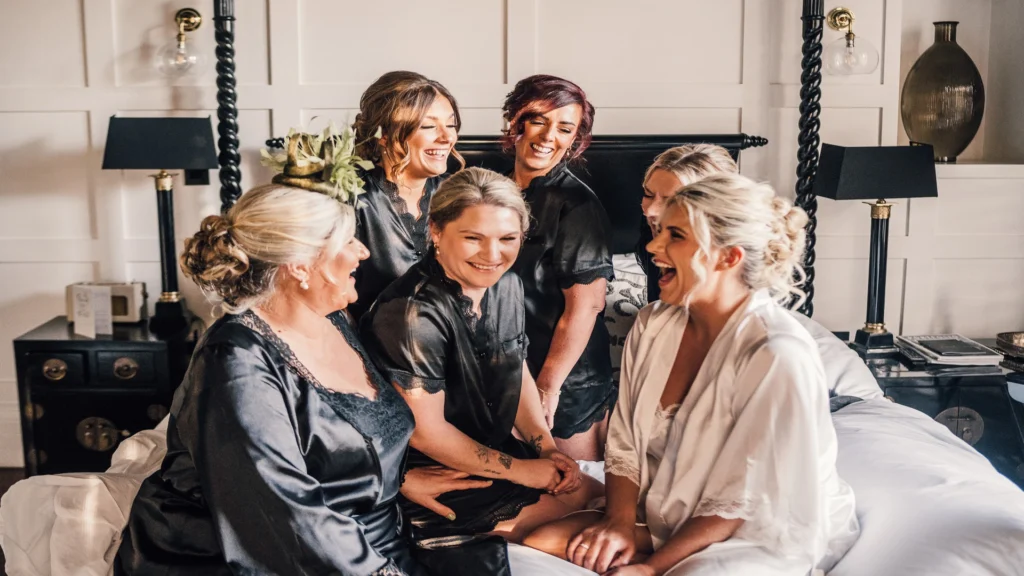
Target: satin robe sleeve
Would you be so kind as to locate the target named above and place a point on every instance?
(410, 339)
(768, 469)
(270, 514)
(581, 253)
(621, 456)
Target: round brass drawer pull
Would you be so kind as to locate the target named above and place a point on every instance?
(34, 411)
(55, 369)
(125, 368)
(98, 434)
(964, 422)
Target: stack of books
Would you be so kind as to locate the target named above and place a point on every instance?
(947, 349)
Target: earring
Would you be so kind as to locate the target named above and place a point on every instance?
(304, 285)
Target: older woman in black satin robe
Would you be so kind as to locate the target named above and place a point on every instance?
(285, 446)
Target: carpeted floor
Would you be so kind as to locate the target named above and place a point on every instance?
(8, 476)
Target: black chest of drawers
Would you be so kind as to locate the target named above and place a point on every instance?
(79, 397)
(974, 403)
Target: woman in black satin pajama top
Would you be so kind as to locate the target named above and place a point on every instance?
(419, 123)
(450, 334)
(565, 262)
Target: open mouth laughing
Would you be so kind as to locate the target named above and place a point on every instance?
(668, 273)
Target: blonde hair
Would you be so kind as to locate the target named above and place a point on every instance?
(235, 258)
(728, 210)
(396, 103)
(476, 187)
(692, 162)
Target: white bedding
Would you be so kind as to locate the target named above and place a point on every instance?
(928, 504)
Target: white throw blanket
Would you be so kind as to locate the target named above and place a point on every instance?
(753, 438)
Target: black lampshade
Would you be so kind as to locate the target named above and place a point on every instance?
(160, 144)
(873, 172)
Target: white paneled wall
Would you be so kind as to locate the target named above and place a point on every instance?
(650, 66)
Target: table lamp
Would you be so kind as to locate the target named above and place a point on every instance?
(164, 144)
(876, 173)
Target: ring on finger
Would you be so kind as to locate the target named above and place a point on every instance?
(585, 546)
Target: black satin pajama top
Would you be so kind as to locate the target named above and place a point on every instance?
(422, 334)
(396, 240)
(268, 472)
(568, 244)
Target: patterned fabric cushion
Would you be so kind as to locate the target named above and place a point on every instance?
(627, 294)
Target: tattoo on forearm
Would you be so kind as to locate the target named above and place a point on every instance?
(492, 471)
(505, 460)
(483, 453)
(535, 443)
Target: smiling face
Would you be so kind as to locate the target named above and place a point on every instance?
(432, 141)
(546, 139)
(479, 246)
(659, 187)
(332, 284)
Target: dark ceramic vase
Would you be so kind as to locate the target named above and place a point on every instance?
(943, 97)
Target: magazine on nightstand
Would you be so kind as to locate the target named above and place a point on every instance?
(949, 349)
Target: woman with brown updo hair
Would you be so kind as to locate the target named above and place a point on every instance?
(419, 123)
(285, 444)
(565, 264)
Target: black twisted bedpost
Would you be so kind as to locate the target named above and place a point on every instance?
(810, 123)
(227, 104)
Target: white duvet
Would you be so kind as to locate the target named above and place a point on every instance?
(928, 505)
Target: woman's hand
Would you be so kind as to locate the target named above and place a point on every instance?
(549, 402)
(424, 485)
(572, 477)
(540, 473)
(605, 545)
(632, 570)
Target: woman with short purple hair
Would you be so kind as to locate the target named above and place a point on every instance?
(565, 263)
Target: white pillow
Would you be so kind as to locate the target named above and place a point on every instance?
(845, 371)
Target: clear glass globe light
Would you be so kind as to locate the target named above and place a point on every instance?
(850, 55)
(180, 58)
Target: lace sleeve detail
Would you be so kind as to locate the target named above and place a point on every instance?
(622, 467)
(728, 509)
(389, 569)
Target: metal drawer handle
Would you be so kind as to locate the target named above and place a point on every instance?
(965, 423)
(125, 368)
(97, 434)
(55, 369)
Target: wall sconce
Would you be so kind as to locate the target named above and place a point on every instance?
(178, 57)
(850, 54)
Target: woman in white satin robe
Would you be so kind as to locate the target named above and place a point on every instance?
(721, 452)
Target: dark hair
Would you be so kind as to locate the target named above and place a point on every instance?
(396, 103)
(538, 95)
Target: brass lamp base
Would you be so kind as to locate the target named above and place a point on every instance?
(874, 341)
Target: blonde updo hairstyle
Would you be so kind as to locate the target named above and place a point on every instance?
(396, 103)
(236, 259)
(476, 187)
(728, 210)
(692, 162)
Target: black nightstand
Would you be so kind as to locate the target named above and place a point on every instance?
(79, 397)
(973, 402)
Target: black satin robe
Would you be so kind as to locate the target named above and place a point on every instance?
(422, 334)
(268, 472)
(568, 244)
(396, 240)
